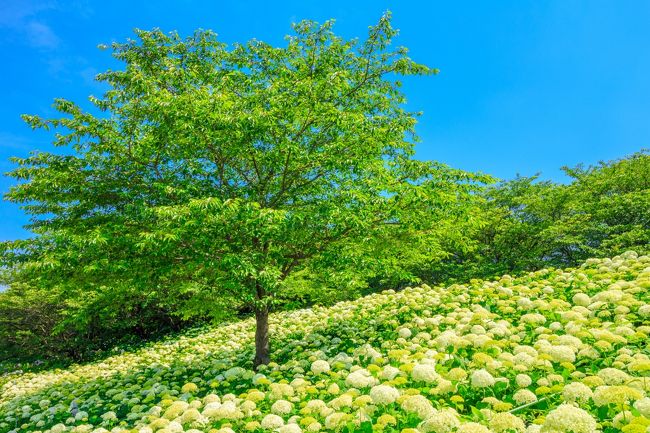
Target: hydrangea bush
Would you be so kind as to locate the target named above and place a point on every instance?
(552, 351)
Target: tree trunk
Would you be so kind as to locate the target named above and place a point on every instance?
(262, 347)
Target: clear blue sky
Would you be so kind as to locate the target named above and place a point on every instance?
(525, 86)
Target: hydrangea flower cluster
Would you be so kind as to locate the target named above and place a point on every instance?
(547, 352)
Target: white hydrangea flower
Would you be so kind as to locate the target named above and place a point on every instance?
(561, 353)
(290, 428)
(523, 380)
(613, 376)
(174, 427)
(425, 373)
(272, 422)
(503, 422)
(320, 366)
(227, 410)
(58, 428)
(620, 395)
(644, 310)
(109, 416)
(389, 372)
(341, 402)
(335, 420)
(581, 299)
(481, 379)
(418, 405)
(440, 421)
(314, 427)
(569, 419)
(405, 333)
(281, 390)
(360, 379)
(524, 396)
(281, 407)
(315, 405)
(643, 406)
(383, 394)
(576, 392)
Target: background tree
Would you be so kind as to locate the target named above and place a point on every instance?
(529, 224)
(215, 173)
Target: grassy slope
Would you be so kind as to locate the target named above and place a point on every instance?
(435, 338)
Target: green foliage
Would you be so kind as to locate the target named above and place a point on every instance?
(217, 172)
(38, 325)
(26, 316)
(528, 224)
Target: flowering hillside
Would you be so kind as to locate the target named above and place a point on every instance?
(552, 351)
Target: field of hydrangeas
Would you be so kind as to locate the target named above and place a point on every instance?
(551, 351)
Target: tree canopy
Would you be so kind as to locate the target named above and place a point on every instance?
(214, 173)
(530, 224)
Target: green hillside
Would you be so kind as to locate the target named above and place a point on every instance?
(551, 351)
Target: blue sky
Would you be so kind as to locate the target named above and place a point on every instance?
(525, 86)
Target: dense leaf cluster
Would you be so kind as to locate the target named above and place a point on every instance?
(213, 174)
(527, 224)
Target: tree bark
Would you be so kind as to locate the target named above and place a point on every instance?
(262, 346)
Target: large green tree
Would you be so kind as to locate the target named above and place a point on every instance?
(214, 173)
